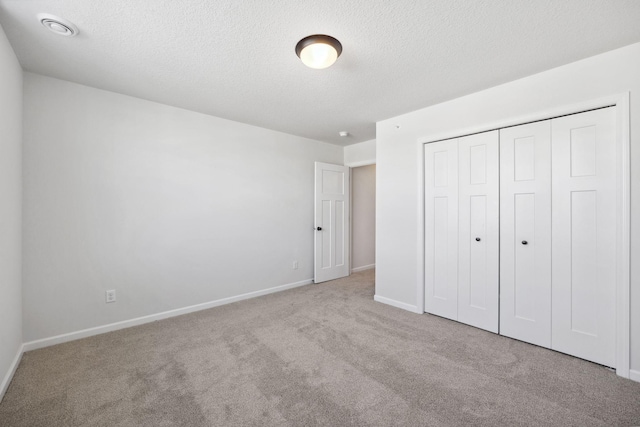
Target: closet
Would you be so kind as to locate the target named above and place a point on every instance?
(520, 232)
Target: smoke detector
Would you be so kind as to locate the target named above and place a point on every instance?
(58, 25)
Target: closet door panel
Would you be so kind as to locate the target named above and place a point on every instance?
(477, 258)
(525, 233)
(478, 230)
(584, 235)
(441, 228)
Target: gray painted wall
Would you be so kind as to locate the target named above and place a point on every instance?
(169, 207)
(10, 209)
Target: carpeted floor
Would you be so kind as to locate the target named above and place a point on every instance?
(323, 354)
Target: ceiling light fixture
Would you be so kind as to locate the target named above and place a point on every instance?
(318, 51)
(58, 25)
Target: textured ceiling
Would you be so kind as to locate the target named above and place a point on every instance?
(235, 58)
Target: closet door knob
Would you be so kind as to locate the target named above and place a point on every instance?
(524, 242)
(477, 239)
(319, 228)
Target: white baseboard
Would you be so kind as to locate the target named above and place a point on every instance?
(12, 370)
(634, 375)
(72, 336)
(363, 268)
(397, 304)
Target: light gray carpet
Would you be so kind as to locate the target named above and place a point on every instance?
(323, 354)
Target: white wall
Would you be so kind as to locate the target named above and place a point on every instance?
(363, 217)
(398, 157)
(363, 153)
(168, 207)
(10, 210)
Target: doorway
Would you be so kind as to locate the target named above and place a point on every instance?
(363, 218)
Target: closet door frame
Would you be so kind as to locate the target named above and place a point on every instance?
(623, 203)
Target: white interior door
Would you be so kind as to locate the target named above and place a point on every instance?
(584, 235)
(441, 228)
(331, 222)
(478, 230)
(525, 232)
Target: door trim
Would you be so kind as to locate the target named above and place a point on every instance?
(623, 215)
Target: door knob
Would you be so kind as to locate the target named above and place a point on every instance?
(477, 239)
(524, 242)
(319, 228)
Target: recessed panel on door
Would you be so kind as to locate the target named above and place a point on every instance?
(478, 230)
(525, 232)
(326, 219)
(478, 252)
(439, 245)
(441, 228)
(584, 235)
(584, 261)
(338, 234)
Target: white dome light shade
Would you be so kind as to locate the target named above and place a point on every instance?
(318, 55)
(318, 51)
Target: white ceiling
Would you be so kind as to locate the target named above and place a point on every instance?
(235, 58)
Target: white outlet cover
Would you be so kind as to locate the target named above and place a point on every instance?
(110, 296)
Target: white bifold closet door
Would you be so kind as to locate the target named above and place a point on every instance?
(534, 206)
(441, 228)
(461, 229)
(478, 231)
(525, 233)
(584, 235)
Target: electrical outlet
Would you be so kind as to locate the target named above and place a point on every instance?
(295, 265)
(110, 296)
